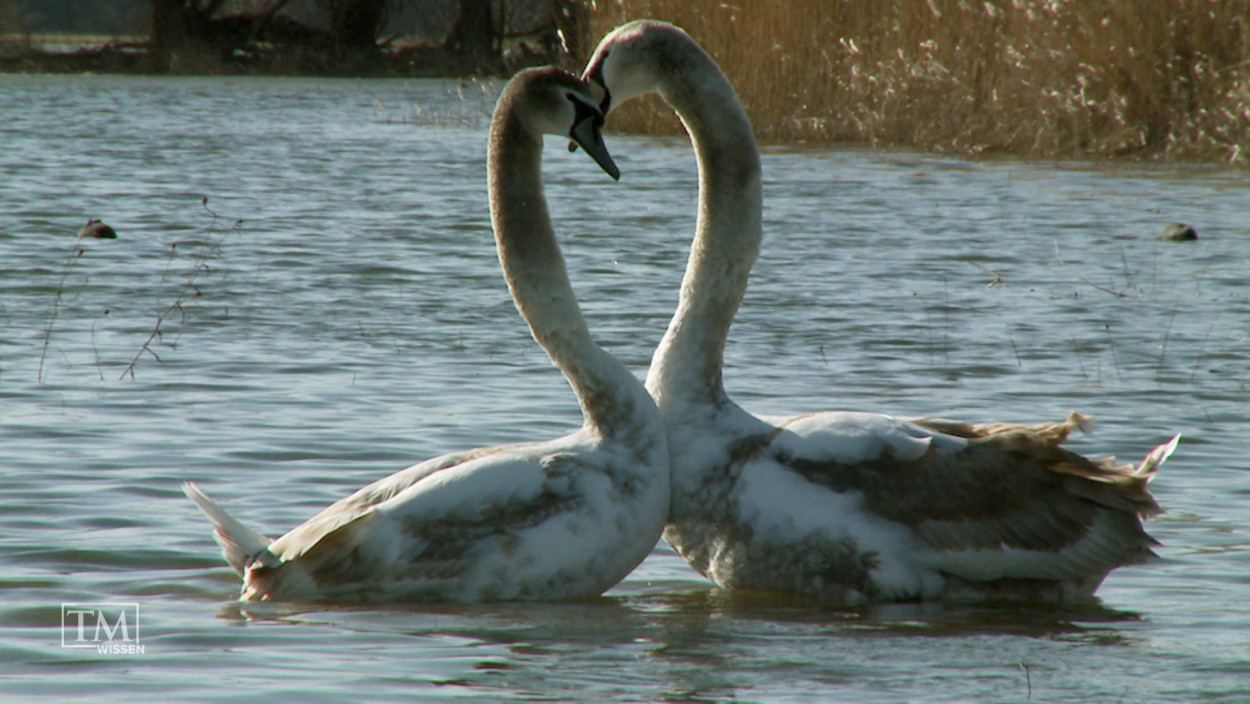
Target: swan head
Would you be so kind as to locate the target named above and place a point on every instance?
(553, 101)
(634, 59)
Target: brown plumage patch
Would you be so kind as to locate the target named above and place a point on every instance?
(1128, 484)
(440, 546)
(1012, 486)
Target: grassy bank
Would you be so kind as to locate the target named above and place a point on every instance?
(1032, 77)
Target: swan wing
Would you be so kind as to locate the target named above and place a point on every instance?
(466, 529)
(410, 489)
(985, 501)
(367, 498)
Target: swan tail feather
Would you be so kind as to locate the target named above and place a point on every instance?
(1156, 457)
(242, 546)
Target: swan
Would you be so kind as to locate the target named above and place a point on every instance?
(560, 519)
(846, 507)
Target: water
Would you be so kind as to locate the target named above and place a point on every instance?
(354, 322)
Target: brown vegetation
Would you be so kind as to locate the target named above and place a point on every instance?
(1038, 77)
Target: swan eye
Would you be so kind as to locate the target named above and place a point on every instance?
(585, 110)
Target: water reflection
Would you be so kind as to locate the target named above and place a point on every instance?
(699, 644)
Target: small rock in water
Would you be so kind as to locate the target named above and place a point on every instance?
(98, 230)
(1179, 232)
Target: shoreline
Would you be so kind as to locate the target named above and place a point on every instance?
(875, 104)
(137, 59)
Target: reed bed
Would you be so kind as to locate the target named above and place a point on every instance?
(1034, 77)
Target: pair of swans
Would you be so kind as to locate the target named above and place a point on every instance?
(844, 507)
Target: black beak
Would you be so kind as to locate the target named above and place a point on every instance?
(587, 133)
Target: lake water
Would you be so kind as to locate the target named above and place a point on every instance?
(334, 312)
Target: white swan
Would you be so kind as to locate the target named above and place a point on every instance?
(847, 507)
(560, 519)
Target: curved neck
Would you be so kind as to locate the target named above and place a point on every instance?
(687, 364)
(539, 283)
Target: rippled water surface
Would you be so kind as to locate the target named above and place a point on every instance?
(334, 312)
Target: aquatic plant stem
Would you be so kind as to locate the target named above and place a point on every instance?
(56, 309)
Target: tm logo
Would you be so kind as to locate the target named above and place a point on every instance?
(109, 629)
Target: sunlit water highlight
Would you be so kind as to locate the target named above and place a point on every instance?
(334, 312)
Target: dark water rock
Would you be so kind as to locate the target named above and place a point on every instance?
(1179, 232)
(98, 230)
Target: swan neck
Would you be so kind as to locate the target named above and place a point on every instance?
(539, 283)
(689, 360)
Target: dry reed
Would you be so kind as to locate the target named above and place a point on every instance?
(189, 289)
(1036, 77)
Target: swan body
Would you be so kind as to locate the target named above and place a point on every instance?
(845, 507)
(565, 518)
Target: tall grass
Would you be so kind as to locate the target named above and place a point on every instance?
(1167, 79)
